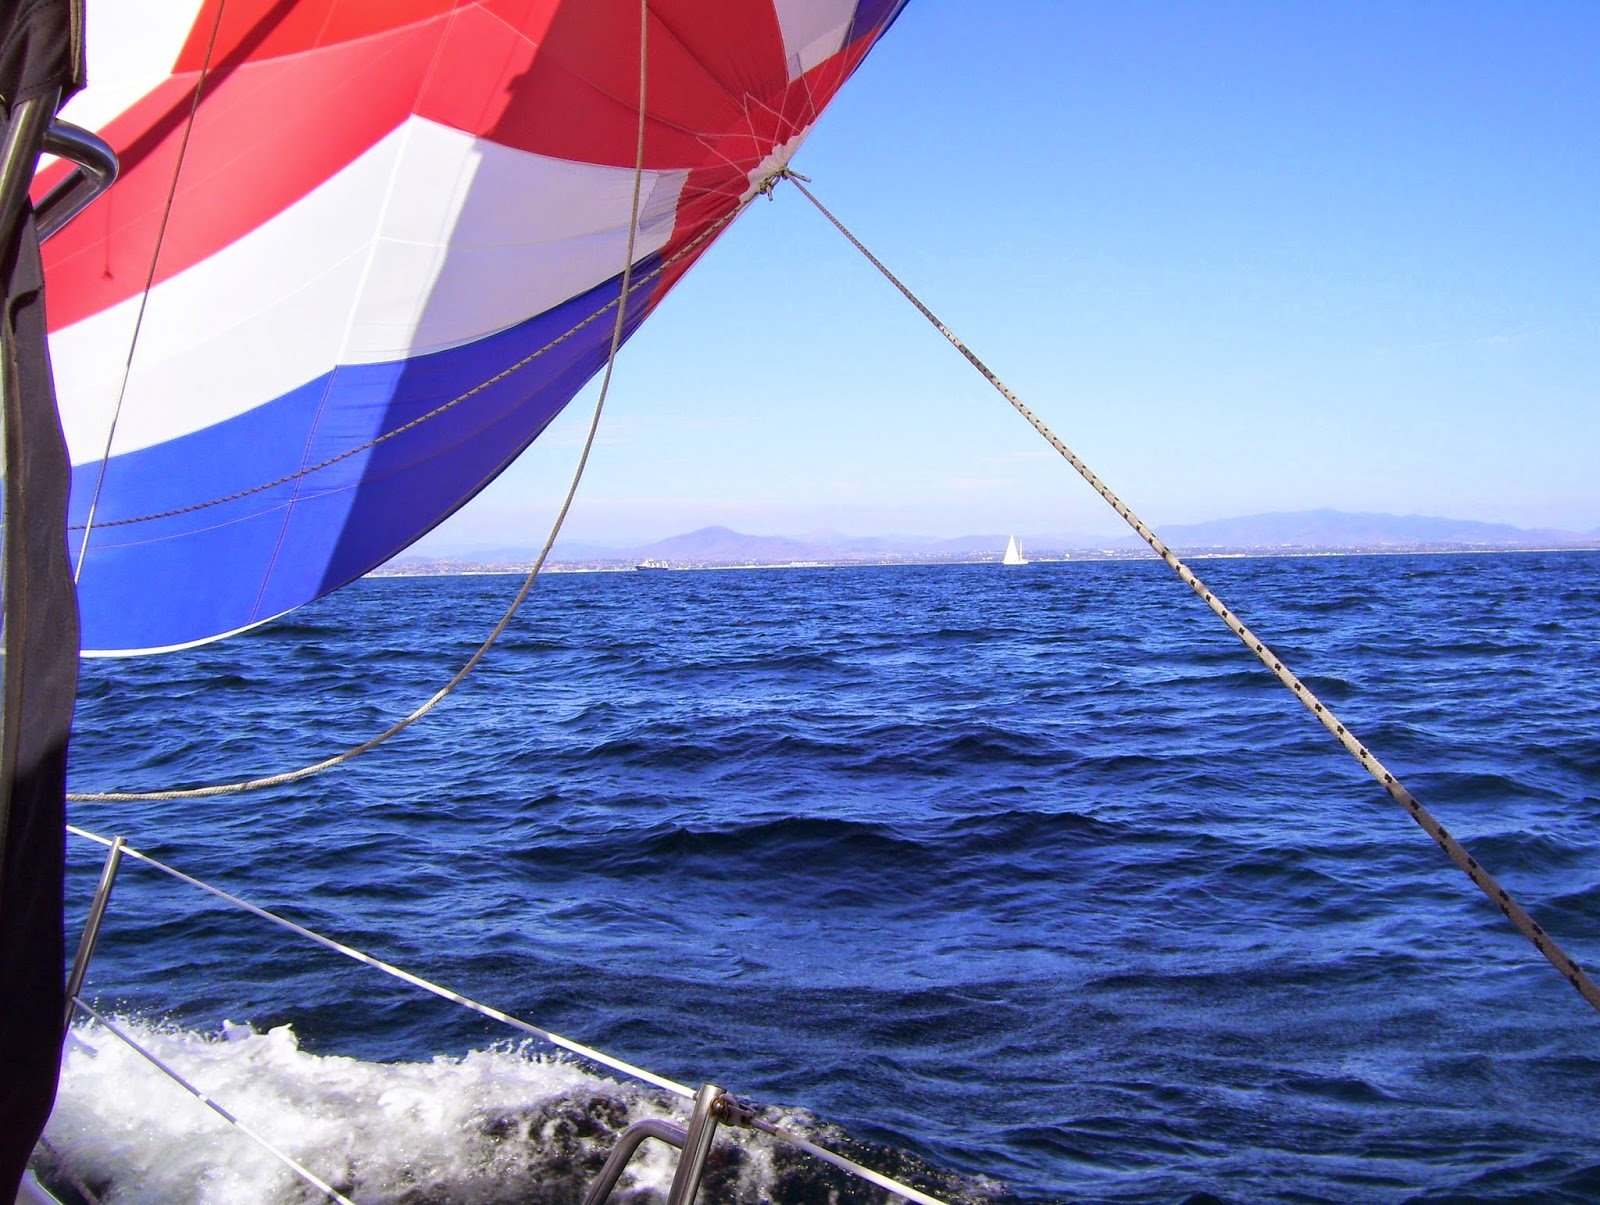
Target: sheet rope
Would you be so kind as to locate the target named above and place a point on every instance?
(1525, 924)
(588, 1053)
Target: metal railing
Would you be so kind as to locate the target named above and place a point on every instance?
(33, 129)
(95, 172)
(712, 1107)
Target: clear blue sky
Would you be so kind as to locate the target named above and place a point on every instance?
(1242, 256)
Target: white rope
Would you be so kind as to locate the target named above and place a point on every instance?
(847, 1165)
(1525, 924)
(427, 985)
(308, 1176)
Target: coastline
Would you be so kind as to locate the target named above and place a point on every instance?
(459, 567)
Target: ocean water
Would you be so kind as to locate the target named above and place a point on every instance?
(1025, 885)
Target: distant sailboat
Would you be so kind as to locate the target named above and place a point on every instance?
(1013, 554)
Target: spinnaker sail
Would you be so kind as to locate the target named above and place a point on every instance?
(354, 263)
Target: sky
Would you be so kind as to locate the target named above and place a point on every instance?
(1242, 257)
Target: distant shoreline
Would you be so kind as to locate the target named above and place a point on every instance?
(452, 567)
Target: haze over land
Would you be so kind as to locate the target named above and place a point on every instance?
(1271, 534)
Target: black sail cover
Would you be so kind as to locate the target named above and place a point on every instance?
(40, 53)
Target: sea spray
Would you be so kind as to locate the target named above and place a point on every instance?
(497, 1124)
(506, 1124)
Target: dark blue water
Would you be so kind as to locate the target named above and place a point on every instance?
(1030, 875)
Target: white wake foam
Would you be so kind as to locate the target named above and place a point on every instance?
(498, 1124)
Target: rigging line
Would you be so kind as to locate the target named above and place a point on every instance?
(843, 1164)
(144, 296)
(444, 993)
(273, 780)
(644, 281)
(1525, 924)
(300, 1170)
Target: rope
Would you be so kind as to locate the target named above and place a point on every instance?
(555, 1039)
(308, 1176)
(847, 1165)
(1525, 924)
(273, 780)
(144, 296)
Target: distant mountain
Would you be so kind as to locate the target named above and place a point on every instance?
(712, 545)
(1311, 529)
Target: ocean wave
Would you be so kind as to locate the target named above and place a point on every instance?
(950, 856)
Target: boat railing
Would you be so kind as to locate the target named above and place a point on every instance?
(34, 128)
(710, 1107)
(94, 171)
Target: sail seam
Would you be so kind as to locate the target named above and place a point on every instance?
(328, 385)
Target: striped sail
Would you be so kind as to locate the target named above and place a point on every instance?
(361, 254)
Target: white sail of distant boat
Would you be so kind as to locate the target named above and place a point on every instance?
(1014, 554)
